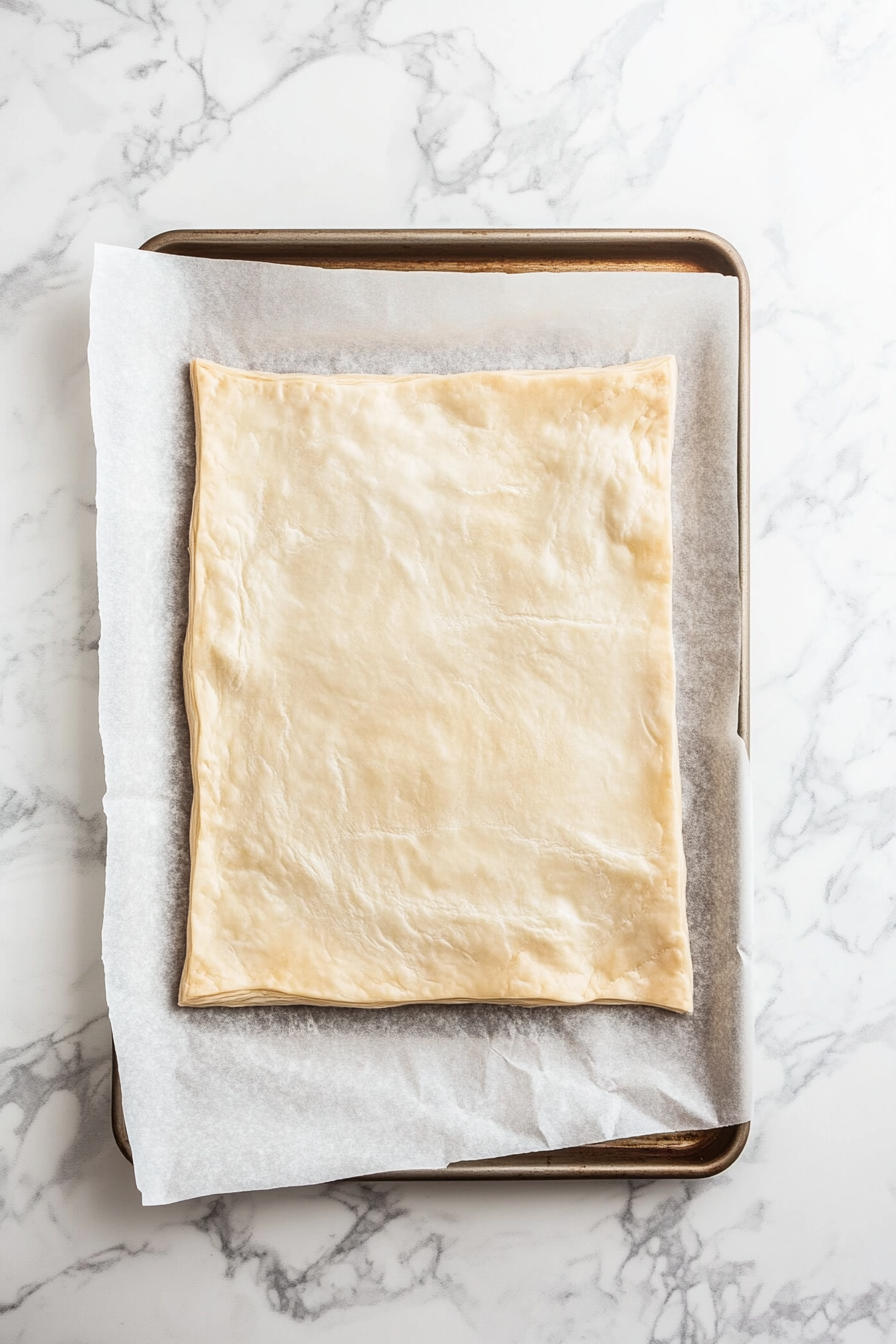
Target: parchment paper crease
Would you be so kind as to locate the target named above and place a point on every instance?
(234, 1099)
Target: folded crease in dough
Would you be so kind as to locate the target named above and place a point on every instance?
(430, 684)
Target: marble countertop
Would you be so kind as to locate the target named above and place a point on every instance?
(766, 122)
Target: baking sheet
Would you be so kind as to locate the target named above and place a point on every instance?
(224, 1099)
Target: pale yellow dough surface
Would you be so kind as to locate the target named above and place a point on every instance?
(430, 684)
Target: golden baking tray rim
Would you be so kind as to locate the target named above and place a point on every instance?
(687, 1154)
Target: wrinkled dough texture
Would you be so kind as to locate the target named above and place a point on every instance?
(430, 685)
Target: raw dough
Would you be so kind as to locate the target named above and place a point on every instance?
(430, 684)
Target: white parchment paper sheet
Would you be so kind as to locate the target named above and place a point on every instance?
(233, 1099)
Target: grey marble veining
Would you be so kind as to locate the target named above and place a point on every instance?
(763, 120)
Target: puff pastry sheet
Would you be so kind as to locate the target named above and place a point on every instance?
(430, 685)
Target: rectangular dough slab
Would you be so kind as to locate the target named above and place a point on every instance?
(430, 684)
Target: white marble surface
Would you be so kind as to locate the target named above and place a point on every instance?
(768, 121)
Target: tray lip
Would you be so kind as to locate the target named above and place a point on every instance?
(545, 241)
(606, 249)
(730, 1144)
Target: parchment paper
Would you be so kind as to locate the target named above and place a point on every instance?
(233, 1099)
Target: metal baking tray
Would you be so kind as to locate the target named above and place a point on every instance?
(687, 1154)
